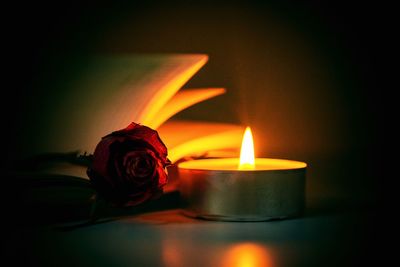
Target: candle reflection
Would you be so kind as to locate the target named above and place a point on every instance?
(172, 253)
(247, 255)
(176, 253)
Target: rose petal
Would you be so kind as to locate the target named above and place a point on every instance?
(129, 165)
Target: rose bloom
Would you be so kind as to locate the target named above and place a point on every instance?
(129, 166)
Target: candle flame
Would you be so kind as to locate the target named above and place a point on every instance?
(247, 161)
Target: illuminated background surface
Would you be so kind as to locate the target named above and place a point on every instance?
(302, 75)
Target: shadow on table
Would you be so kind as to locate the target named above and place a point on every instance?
(67, 202)
(43, 199)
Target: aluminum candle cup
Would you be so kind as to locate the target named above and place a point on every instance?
(215, 189)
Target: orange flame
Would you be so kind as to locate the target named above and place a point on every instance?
(247, 161)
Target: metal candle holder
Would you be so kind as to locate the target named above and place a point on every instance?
(237, 195)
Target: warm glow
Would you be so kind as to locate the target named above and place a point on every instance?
(247, 151)
(192, 138)
(171, 252)
(169, 89)
(247, 255)
(231, 164)
(181, 101)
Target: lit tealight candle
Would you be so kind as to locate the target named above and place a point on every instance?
(243, 189)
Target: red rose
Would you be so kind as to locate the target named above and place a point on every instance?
(128, 166)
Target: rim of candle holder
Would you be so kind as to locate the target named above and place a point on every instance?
(234, 162)
(227, 218)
